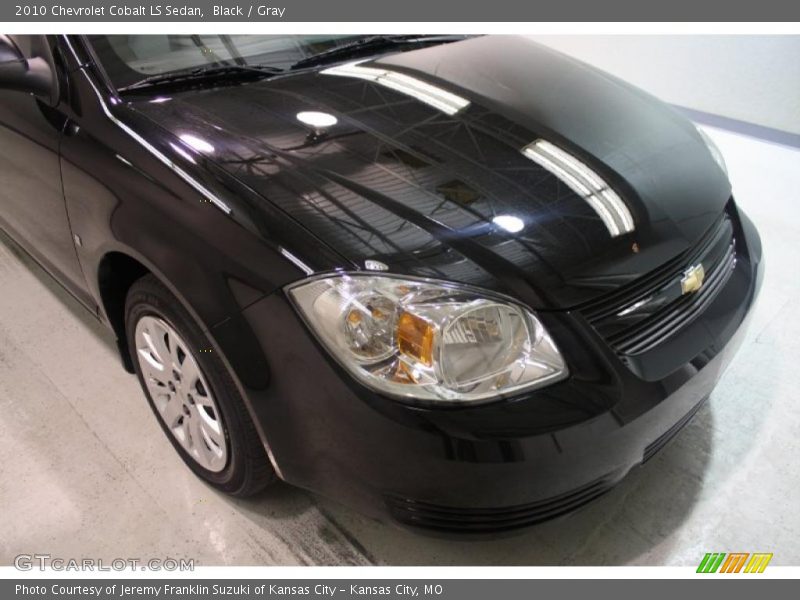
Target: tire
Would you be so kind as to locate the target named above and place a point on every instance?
(197, 405)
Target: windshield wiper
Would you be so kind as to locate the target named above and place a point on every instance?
(200, 73)
(371, 45)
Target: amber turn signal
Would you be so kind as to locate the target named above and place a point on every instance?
(415, 338)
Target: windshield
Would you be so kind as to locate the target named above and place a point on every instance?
(130, 58)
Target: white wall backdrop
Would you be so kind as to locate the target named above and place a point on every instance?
(749, 78)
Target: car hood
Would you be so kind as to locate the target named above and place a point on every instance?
(415, 159)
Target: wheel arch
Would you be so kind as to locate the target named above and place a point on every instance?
(116, 273)
(119, 269)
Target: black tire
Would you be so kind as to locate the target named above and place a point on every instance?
(248, 469)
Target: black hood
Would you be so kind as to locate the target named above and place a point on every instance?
(416, 186)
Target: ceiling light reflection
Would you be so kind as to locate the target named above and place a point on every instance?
(585, 182)
(510, 223)
(432, 95)
(317, 120)
(197, 143)
(182, 152)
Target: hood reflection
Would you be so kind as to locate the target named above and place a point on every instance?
(582, 180)
(486, 194)
(445, 101)
(316, 119)
(510, 223)
(197, 143)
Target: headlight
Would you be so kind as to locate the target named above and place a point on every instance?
(428, 340)
(712, 148)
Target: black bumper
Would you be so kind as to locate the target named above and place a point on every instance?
(499, 466)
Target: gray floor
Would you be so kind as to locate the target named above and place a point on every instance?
(86, 472)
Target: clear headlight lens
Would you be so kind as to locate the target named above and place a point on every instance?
(428, 340)
(714, 150)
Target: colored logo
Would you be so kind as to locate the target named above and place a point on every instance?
(692, 279)
(735, 562)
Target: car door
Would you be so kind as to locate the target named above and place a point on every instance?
(32, 207)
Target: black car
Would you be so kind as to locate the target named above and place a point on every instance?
(467, 282)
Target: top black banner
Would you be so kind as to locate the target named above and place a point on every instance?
(407, 11)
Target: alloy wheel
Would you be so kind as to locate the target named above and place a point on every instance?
(180, 392)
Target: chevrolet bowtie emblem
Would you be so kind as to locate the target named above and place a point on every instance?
(692, 279)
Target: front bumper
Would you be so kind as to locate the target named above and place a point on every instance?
(493, 467)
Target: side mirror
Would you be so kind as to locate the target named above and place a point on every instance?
(33, 75)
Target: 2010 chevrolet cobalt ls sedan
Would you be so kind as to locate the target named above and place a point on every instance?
(465, 282)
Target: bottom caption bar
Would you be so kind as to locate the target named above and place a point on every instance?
(342, 589)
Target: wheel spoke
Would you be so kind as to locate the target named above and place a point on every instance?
(190, 373)
(172, 412)
(198, 443)
(148, 351)
(154, 374)
(209, 450)
(184, 434)
(204, 402)
(211, 428)
(158, 335)
(175, 352)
